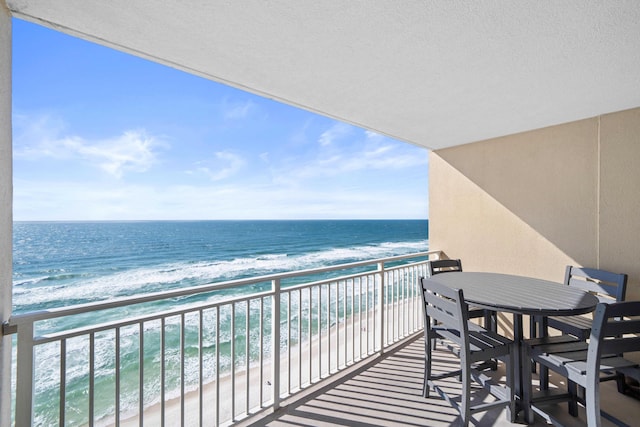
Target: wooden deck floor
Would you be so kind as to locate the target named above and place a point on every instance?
(388, 393)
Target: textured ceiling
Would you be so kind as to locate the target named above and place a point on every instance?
(433, 73)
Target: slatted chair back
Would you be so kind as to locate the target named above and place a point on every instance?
(607, 286)
(446, 308)
(443, 266)
(615, 331)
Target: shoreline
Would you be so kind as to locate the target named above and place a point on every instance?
(291, 374)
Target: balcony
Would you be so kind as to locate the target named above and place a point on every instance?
(387, 392)
(350, 353)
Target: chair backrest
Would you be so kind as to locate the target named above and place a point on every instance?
(607, 286)
(446, 307)
(443, 266)
(615, 330)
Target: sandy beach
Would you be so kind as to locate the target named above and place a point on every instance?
(304, 369)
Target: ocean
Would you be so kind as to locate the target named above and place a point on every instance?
(63, 263)
(56, 264)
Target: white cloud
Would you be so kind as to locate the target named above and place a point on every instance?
(361, 156)
(371, 135)
(335, 132)
(229, 164)
(133, 151)
(238, 111)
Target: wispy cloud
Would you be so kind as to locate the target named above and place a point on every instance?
(238, 111)
(335, 132)
(225, 165)
(368, 152)
(132, 151)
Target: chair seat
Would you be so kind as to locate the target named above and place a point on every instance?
(483, 344)
(579, 326)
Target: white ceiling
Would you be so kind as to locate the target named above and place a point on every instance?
(433, 73)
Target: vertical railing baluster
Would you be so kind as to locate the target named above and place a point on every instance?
(217, 365)
(200, 367)
(329, 329)
(232, 334)
(310, 334)
(353, 321)
(299, 339)
(366, 303)
(63, 381)
(163, 369)
(360, 317)
(141, 374)
(389, 300)
(337, 326)
(117, 391)
(401, 308)
(412, 302)
(344, 321)
(92, 381)
(319, 332)
(261, 351)
(183, 340)
(246, 357)
(275, 342)
(289, 294)
(412, 296)
(380, 306)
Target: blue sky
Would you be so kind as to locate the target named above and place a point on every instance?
(102, 135)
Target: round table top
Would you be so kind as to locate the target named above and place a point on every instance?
(519, 294)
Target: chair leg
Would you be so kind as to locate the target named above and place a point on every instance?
(512, 413)
(572, 388)
(428, 348)
(527, 392)
(544, 378)
(532, 334)
(621, 383)
(465, 398)
(542, 331)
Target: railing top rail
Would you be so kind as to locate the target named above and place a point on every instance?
(35, 316)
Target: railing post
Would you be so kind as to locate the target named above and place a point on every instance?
(275, 343)
(381, 300)
(24, 376)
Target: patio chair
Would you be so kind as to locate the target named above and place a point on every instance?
(613, 333)
(471, 343)
(607, 286)
(450, 265)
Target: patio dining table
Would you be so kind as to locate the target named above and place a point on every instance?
(519, 295)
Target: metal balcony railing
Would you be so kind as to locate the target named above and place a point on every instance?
(213, 354)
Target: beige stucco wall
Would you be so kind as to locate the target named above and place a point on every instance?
(534, 202)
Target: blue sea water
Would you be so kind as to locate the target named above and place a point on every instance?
(58, 264)
(62, 263)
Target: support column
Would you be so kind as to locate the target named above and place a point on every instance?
(6, 211)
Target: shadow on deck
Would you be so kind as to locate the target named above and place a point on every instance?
(388, 391)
